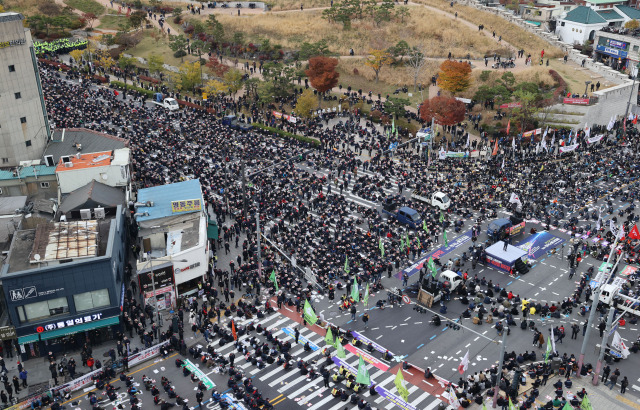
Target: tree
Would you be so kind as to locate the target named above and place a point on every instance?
(305, 104)
(251, 87)
(399, 50)
(529, 107)
(216, 67)
(1, 9)
(215, 87)
(50, 8)
(40, 22)
(105, 60)
(632, 24)
(187, 77)
(155, 63)
(395, 106)
(454, 76)
(508, 79)
(416, 63)
(137, 18)
(90, 18)
(445, 110)
(279, 80)
(378, 59)
(322, 74)
(308, 50)
(402, 12)
(233, 81)
(215, 28)
(178, 45)
(76, 55)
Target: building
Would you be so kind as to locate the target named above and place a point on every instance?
(108, 167)
(64, 282)
(601, 4)
(30, 178)
(24, 126)
(173, 238)
(617, 51)
(581, 24)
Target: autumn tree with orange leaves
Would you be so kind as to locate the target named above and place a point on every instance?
(322, 74)
(445, 110)
(454, 76)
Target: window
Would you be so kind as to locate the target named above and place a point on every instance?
(635, 48)
(28, 143)
(91, 300)
(44, 185)
(18, 96)
(43, 310)
(12, 68)
(5, 160)
(562, 24)
(23, 120)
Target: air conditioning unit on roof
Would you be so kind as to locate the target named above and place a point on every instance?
(85, 214)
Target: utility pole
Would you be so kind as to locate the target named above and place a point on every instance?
(594, 304)
(496, 390)
(633, 86)
(605, 336)
(258, 238)
(244, 191)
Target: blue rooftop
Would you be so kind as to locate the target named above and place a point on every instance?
(162, 197)
(25, 172)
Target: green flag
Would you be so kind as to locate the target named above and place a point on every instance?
(484, 407)
(274, 279)
(567, 406)
(511, 406)
(406, 240)
(365, 299)
(432, 267)
(381, 246)
(399, 382)
(396, 133)
(401, 243)
(441, 217)
(355, 294)
(444, 237)
(424, 226)
(309, 315)
(393, 124)
(363, 373)
(586, 404)
(341, 354)
(346, 264)
(329, 337)
(547, 354)
(419, 244)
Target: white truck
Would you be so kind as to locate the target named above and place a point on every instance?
(169, 103)
(439, 200)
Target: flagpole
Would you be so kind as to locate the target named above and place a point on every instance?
(496, 390)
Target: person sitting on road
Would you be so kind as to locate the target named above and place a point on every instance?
(387, 355)
(428, 374)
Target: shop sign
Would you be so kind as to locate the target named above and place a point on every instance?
(187, 205)
(612, 51)
(7, 332)
(195, 265)
(30, 292)
(69, 322)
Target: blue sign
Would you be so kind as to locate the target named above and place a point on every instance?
(367, 341)
(612, 51)
(539, 244)
(301, 338)
(233, 403)
(438, 253)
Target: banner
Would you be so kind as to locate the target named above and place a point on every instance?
(539, 244)
(576, 101)
(597, 138)
(628, 270)
(367, 357)
(397, 401)
(289, 118)
(511, 105)
(569, 148)
(618, 344)
(146, 354)
(208, 383)
(301, 338)
(530, 133)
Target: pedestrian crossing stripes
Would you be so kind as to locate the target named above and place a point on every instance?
(311, 394)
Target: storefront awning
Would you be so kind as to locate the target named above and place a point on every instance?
(212, 229)
(70, 330)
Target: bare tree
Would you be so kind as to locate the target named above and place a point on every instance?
(416, 63)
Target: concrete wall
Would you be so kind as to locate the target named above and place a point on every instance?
(612, 102)
(575, 33)
(19, 141)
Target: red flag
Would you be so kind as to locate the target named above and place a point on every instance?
(115, 93)
(233, 330)
(634, 233)
(495, 148)
(508, 126)
(464, 364)
(635, 119)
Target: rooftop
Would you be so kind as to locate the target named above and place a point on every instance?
(10, 16)
(629, 11)
(58, 242)
(70, 141)
(170, 200)
(92, 195)
(96, 159)
(584, 15)
(9, 204)
(605, 1)
(610, 14)
(26, 172)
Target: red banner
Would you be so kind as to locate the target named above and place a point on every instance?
(576, 101)
(511, 105)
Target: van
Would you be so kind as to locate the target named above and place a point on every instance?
(410, 217)
(440, 200)
(452, 278)
(608, 292)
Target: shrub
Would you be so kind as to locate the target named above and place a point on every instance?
(121, 86)
(179, 53)
(177, 19)
(55, 64)
(356, 72)
(149, 79)
(100, 78)
(196, 106)
(285, 134)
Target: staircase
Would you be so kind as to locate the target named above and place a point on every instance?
(521, 267)
(565, 115)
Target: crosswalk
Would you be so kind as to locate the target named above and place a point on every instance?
(311, 394)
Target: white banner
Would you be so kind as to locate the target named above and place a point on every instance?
(569, 148)
(146, 354)
(618, 344)
(595, 139)
(442, 154)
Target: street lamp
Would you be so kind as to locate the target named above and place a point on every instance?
(586, 86)
(633, 86)
(153, 282)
